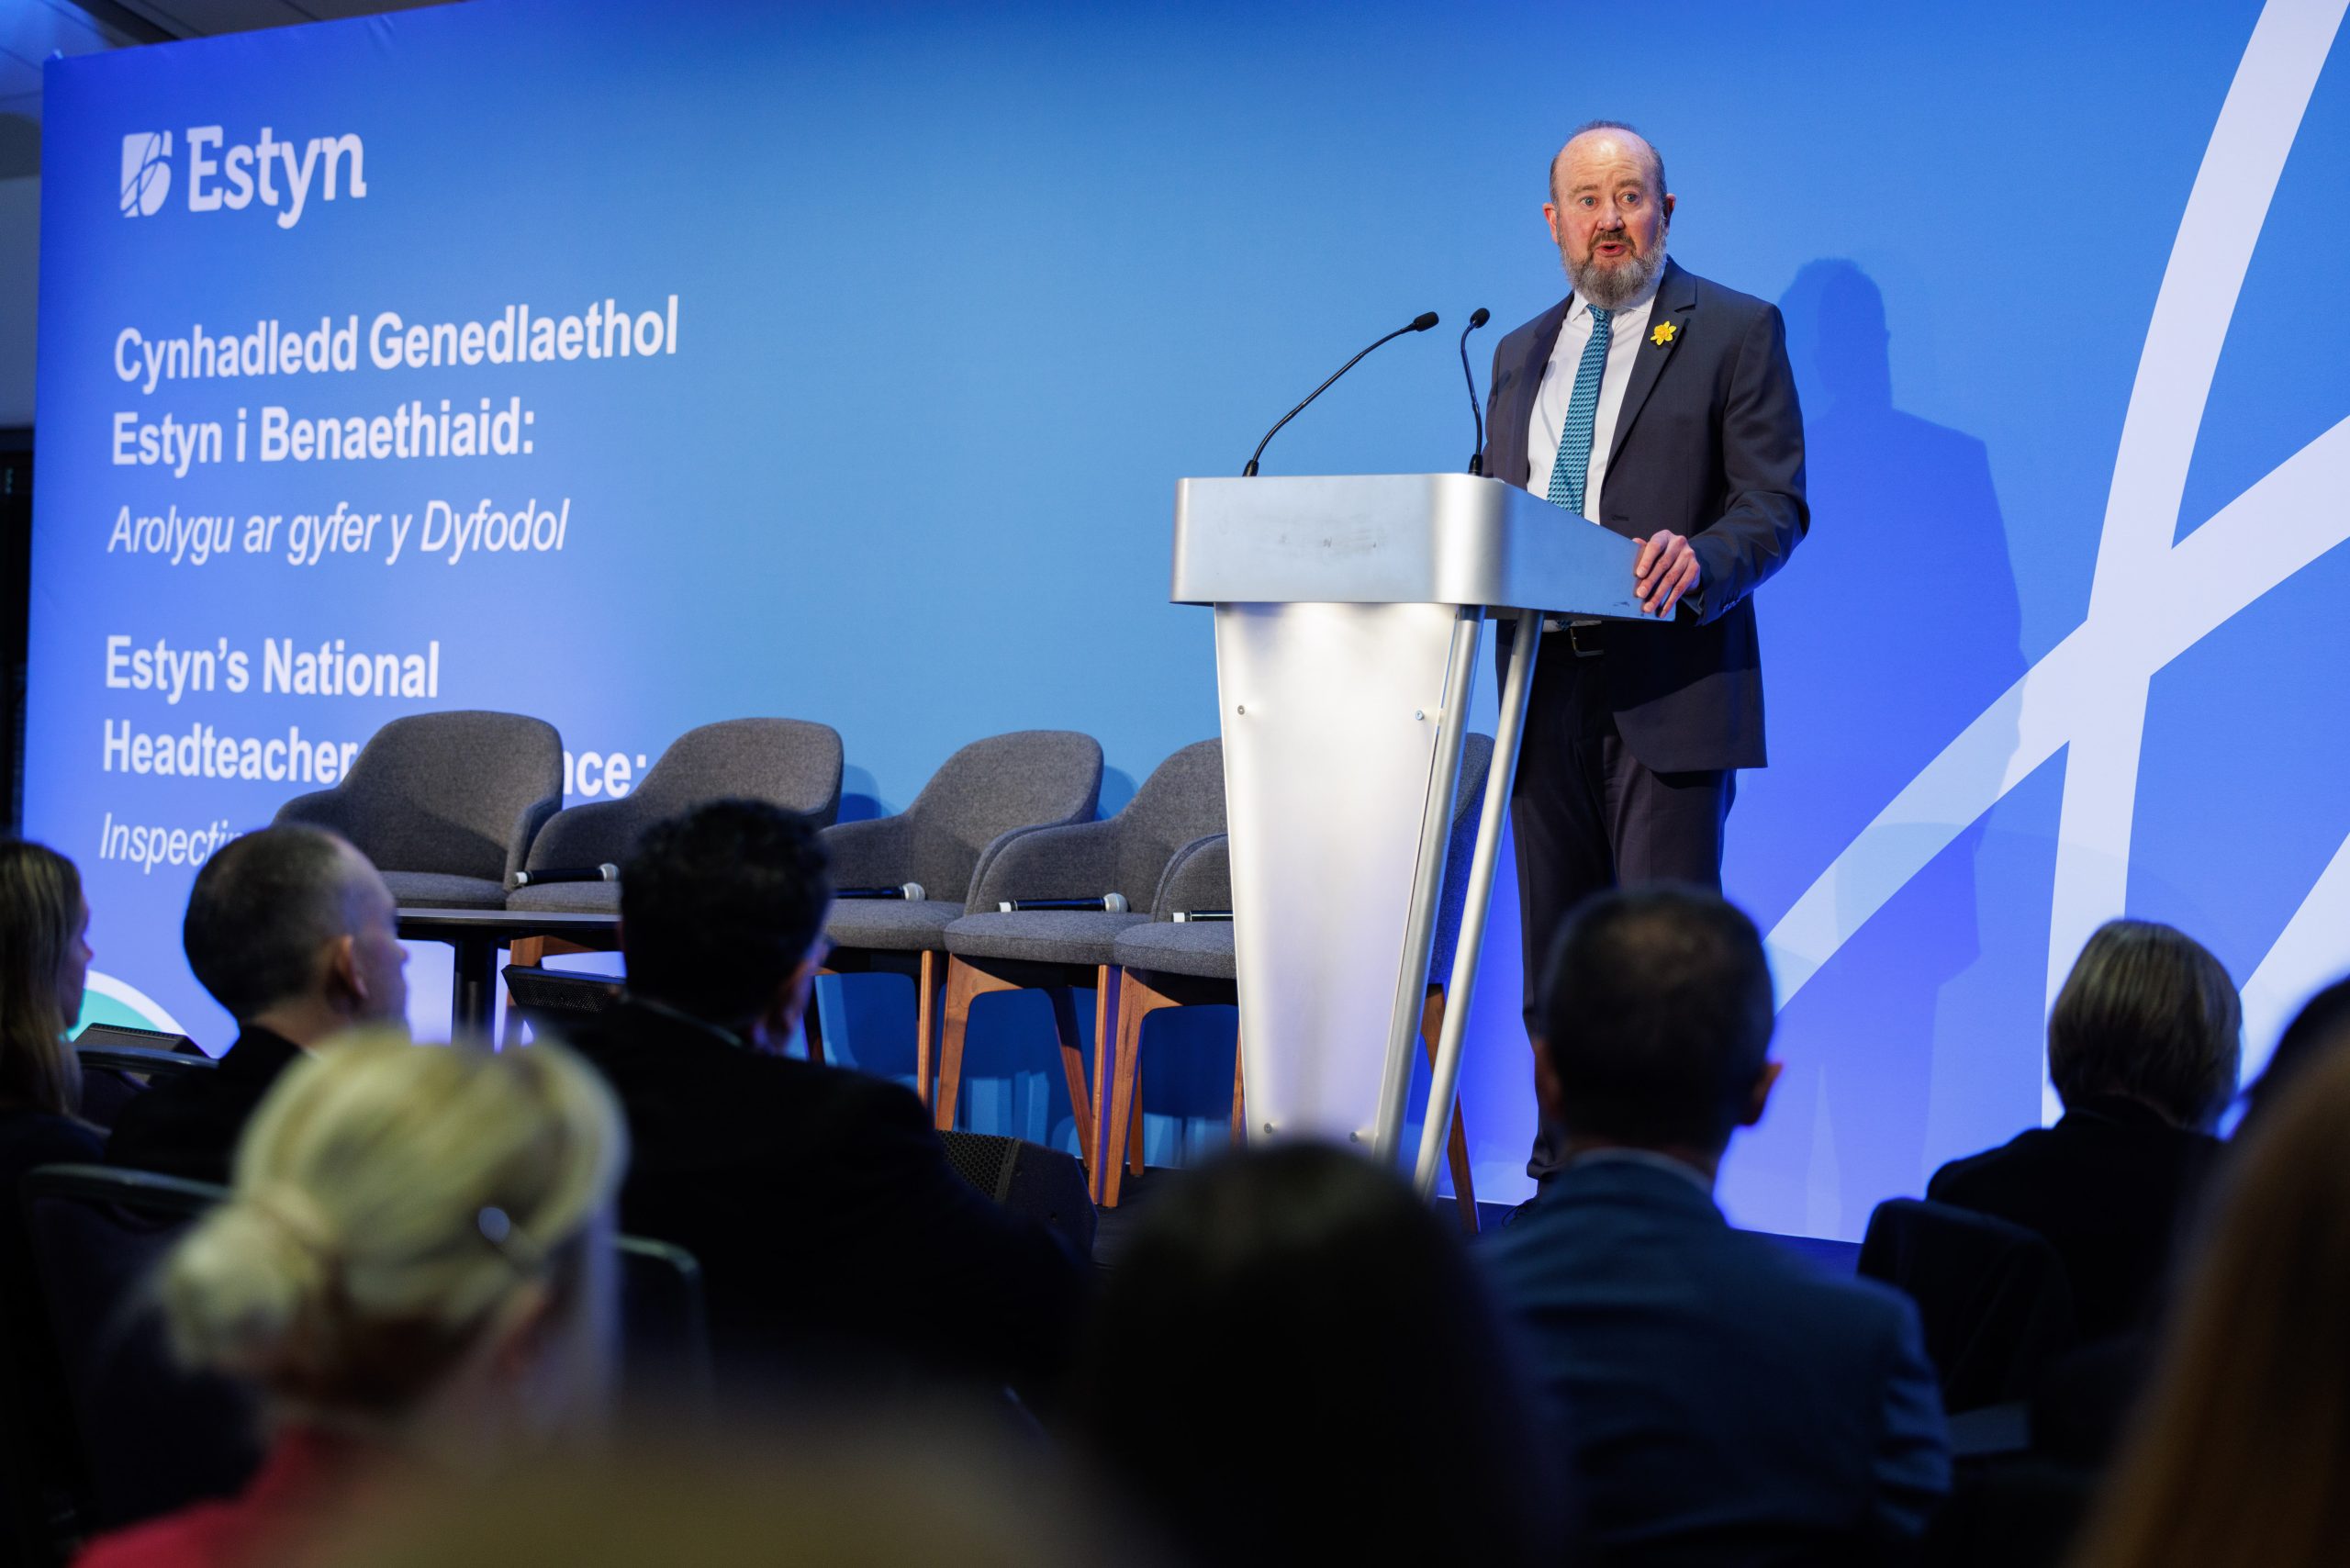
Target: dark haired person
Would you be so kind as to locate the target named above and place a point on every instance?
(2322, 1023)
(293, 932)
(1724, 1401)
(834, 1237)
(1297, 1308)
(2143, 1047)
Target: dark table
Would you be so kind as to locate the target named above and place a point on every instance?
(476, 935)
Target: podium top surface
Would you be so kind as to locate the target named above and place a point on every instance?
(1394, 539)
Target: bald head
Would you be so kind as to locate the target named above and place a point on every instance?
(1602, 144)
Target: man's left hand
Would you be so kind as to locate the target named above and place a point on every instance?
(1666, 570)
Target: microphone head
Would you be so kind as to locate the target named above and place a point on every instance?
(1480, 316)
(1423, 321)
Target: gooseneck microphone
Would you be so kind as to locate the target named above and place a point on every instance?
(1419, 323)
(1477, 319)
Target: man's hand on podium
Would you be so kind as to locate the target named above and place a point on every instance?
(1665, 570)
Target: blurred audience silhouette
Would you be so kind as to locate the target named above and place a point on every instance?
(1294, 1359)
(2239, 1449)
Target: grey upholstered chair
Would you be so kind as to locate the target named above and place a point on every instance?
(1058, 950)
(445, 805)
(790, 762)
(978, 798)
(1167, 963)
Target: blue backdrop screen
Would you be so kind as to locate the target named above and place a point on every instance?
(641, 369)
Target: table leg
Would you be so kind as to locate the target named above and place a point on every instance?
(470, 993)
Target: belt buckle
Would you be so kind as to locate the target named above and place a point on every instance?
(1575, 630)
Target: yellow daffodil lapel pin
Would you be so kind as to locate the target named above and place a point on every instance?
(1663, 333)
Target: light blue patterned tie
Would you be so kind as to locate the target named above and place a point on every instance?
(1573, 462)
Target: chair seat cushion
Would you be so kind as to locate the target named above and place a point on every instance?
(894, 924)
(1193, 947)
(1042, 936)
(440, 889)
(576, 898)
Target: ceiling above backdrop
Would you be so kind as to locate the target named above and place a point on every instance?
(32, 30)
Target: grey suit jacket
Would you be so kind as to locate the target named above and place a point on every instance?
(1710, 444)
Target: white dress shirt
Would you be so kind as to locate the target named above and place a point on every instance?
(1627, 330)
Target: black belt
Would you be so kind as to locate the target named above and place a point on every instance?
(1585, 639)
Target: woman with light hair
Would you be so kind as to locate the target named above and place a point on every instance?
(414, 1265)
(44, 962)
(2143, 1044)
(44, 956)
(44, 959)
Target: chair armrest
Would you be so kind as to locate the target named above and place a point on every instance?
(527, 824)
(1078, 860)
(585, 836)
(320, 808)
(1198, 876)
(872, 854)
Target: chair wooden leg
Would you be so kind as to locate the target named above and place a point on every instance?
(811, 1022)
(1134, 1124)
(966, 984)
(1240, 1094)
(1109, 1018)
(1073, 1045)
(926, 1023)
(1140, 1001)
(1105, 1055)
(529, 952)
(1464, 1186)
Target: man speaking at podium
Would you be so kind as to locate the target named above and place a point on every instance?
(1660, 405)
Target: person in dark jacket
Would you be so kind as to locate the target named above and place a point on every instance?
(2143, 1047)
(834, 1237)
(293, 932)
(1723, 1400)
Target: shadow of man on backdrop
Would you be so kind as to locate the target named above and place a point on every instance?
(1898, 625)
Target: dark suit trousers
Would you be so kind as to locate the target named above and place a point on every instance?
(1587, 816)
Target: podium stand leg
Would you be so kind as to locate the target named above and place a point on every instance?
(1427, 884)
(1444, 1079)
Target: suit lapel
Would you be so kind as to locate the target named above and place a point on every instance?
(1677, 305)
(1514, 413)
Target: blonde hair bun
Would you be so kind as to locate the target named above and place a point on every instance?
(350, 1264)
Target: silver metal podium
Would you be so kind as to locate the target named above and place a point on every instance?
(1349, 616)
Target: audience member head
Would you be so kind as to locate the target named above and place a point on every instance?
(1297, 1311)
(2147, 1014)
(291, 928)
(2322, 1023)
(2238, 1452)
(1657, 1020)
(721, 913)
(44, 960)
(417, 1243)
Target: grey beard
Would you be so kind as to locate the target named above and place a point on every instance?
(1609, 286)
